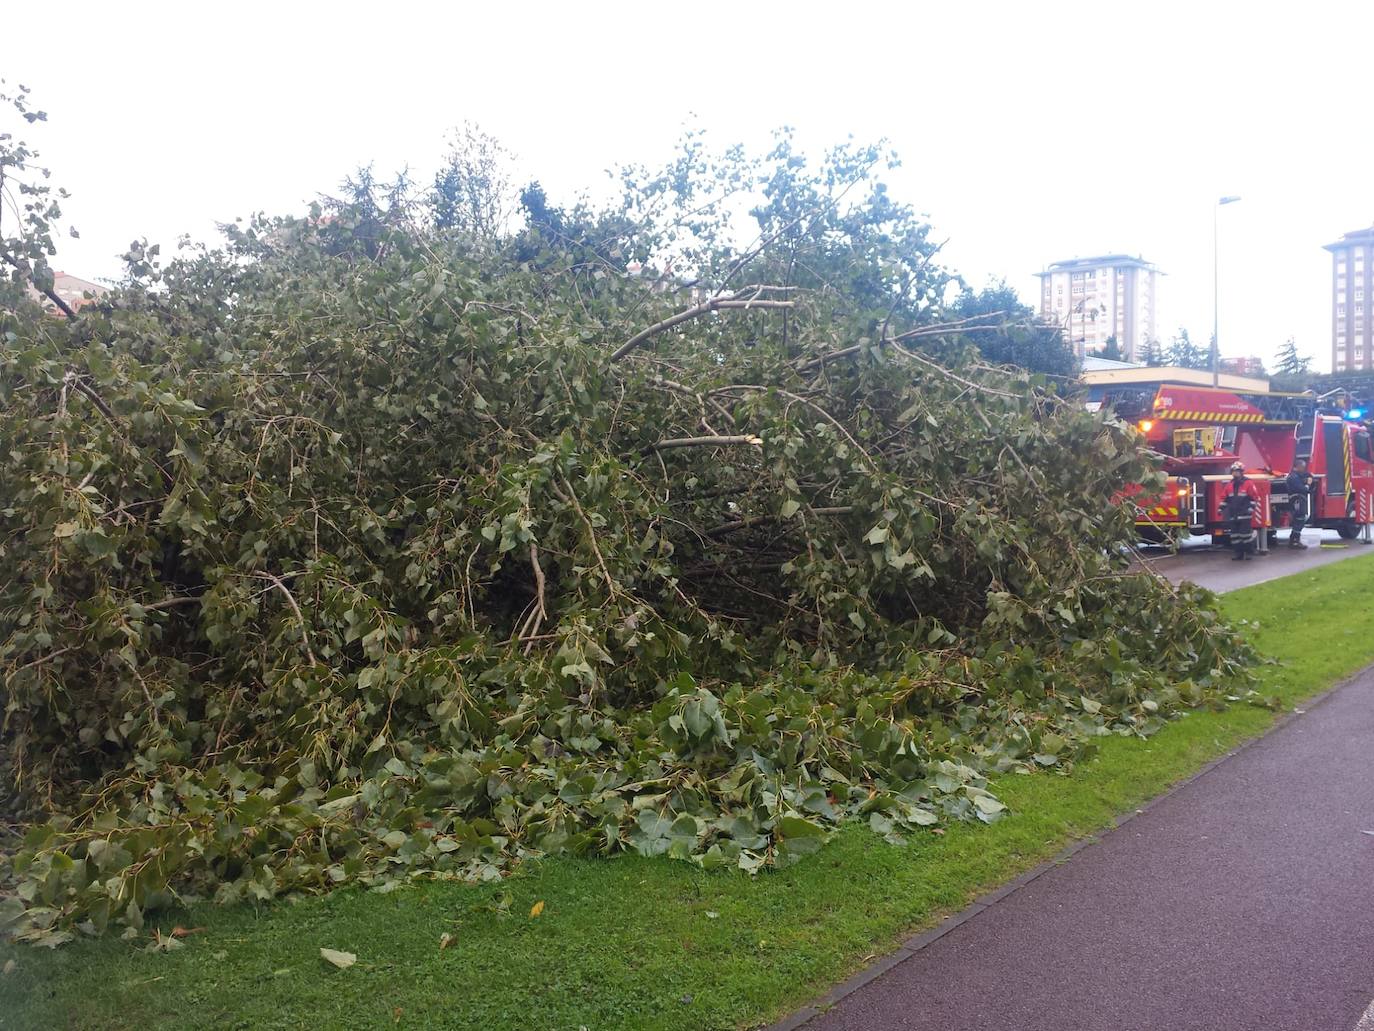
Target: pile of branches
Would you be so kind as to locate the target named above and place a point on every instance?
(362, 549)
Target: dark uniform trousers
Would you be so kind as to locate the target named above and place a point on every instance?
(1298, 494)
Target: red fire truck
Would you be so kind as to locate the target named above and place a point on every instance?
(1200, 431)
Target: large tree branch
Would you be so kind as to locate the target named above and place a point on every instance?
(938, 368)
(711, 441)
(737, 300)
(291, 600)
(74, 380)
(742, 524)
(51, 295)
(529, 631)
(168, 603)
(939, 329)
(95, 398)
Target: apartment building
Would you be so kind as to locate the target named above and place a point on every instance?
(74, 291)
(1252, 366)
(1352, 257)
(1095, 299)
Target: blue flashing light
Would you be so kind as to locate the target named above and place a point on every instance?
(1355, 413)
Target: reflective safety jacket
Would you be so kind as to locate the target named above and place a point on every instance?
(1237, 500)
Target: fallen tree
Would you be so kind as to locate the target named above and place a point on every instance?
(361, 549)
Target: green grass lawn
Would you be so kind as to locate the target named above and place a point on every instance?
(636, 943)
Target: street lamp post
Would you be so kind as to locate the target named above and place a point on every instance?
(1216, 317)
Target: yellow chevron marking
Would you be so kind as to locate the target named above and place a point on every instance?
(1188, 416)
(1349, 487)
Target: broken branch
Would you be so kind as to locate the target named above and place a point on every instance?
(736, 300)
(709, 441)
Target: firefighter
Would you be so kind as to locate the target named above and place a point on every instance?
(1240, 504)
(1299, 486)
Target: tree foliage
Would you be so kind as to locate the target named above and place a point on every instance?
(29, 208)
(1185, 354)
(348, 551)
(1111, 350)
(1292, 365)
(473, 194)
(1006, 332)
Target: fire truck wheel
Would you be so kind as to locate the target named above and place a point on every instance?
(1349, 530)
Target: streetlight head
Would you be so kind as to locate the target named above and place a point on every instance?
(1228, 200)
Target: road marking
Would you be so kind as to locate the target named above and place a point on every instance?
(1367, 1021)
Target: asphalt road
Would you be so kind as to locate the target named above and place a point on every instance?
(1199, 563)
(1244, 900)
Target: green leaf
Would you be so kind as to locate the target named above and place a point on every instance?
(796, 827)
(988, 808)
(694, 715)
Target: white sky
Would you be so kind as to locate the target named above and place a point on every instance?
(1030, 132)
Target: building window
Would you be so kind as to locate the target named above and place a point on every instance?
(1340, 311)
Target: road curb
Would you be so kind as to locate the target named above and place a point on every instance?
(924, 939)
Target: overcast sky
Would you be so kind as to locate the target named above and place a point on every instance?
(1030, 132)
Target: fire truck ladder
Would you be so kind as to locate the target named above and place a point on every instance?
(1305, 431)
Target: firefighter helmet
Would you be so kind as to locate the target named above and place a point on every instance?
(1238, 467)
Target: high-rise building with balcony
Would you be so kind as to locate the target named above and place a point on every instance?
(1352, 257)
(1096, 299)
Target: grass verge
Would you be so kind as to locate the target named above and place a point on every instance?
(639, 943)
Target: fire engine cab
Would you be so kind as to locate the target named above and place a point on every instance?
(1200, 430)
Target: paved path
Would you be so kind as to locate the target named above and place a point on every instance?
(1200, 564)
(1244, 900)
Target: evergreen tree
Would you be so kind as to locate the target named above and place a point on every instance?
(1111, 350)
(1186, 354)
(1290, 362)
